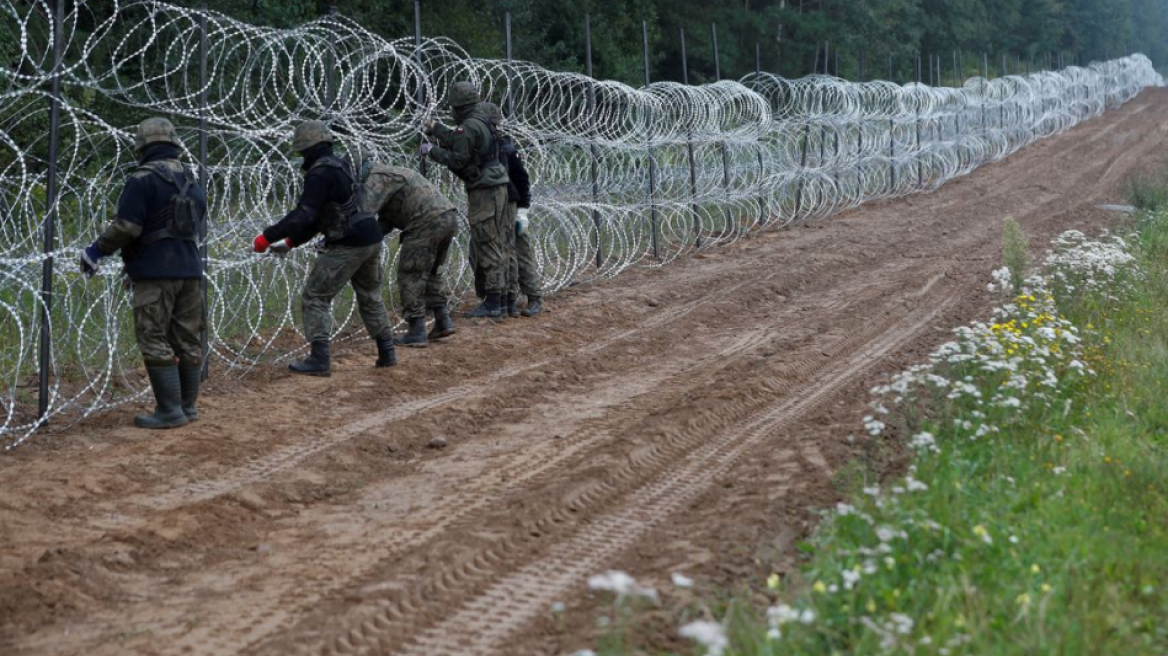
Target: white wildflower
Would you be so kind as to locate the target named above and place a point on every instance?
(621, 584)
(682, 581)
(710, 635)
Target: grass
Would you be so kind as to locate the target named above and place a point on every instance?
(1045, 532)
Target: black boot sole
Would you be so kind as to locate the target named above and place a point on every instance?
(175, 424)
(318, 374)
(397, 342)
(442, 335)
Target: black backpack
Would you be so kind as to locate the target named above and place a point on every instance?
(184, 218)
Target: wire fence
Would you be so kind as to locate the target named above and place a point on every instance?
(622, 176)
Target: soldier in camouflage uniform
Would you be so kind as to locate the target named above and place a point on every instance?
(471, 152)
(331, 203)
(524, 269)
(404, 200)
(161, 217)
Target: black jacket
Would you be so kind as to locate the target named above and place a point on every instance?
(146, 195)
(519, 187)
(322, 185)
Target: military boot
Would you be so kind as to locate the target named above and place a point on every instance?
(489, 309)
(386, 356)
(512, 306)
(168, 412)
(443, 324)
(190, 378)
(416, 337)
(317, 362)
(534, 306)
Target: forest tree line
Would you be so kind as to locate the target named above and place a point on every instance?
(788, 33)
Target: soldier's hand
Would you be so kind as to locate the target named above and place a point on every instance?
(91, 259)
(281, 248)
(430, 124)
(425, 148)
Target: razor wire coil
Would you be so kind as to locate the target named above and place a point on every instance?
(766, 151)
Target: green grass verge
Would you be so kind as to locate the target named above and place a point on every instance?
(1034, 518)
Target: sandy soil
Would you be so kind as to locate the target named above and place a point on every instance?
(689, 419)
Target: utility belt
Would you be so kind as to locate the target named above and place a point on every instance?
(472, 173)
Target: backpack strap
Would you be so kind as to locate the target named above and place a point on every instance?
(164, 172)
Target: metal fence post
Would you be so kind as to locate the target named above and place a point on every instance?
(761, 167)
(204, 182)
(920, 165)
(693, 177)
(418, 57)
(52, 209)
(592, 145)
(722, 144)
(648, 138)
(510, 104)
(332, 70)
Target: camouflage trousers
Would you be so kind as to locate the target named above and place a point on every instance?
(522, 267)
(168, 321)
(420, 278)
(335, 267)
(486, 213)
(525, 278)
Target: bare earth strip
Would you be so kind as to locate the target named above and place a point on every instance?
(624, 428)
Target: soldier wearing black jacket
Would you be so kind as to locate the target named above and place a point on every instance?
(161, 217)
(331, 204)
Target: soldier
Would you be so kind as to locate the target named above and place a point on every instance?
(405, 201)
(161, 217)
(331, 203)
(524, 269)
(471, 152)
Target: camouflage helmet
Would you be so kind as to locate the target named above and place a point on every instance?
(463, 93)
(309, 134)
(494, 114)
(155, 130)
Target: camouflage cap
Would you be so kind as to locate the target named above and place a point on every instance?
(155, 130)
(494, 114)
(309, 134)
(463, 93)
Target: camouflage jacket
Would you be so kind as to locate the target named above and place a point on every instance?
(471, 150)
(401, 197)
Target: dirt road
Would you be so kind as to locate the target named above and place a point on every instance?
(684, 419)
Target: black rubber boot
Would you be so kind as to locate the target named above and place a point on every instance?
(489, 309)
(443, 324)
(168, 412)
(534, 306)
(386, 356)
(416, 337)
(317, 362)
(512, 306)
(190, 379)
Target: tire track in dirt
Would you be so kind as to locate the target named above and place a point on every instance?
(352, 560)
(347, 556)
(410, 604)
(482, 623)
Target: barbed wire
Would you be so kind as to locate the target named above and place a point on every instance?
(766, 151)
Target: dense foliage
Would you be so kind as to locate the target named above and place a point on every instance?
(551, 33)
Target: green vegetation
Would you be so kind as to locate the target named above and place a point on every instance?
(1015, 252)
(550, 32)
